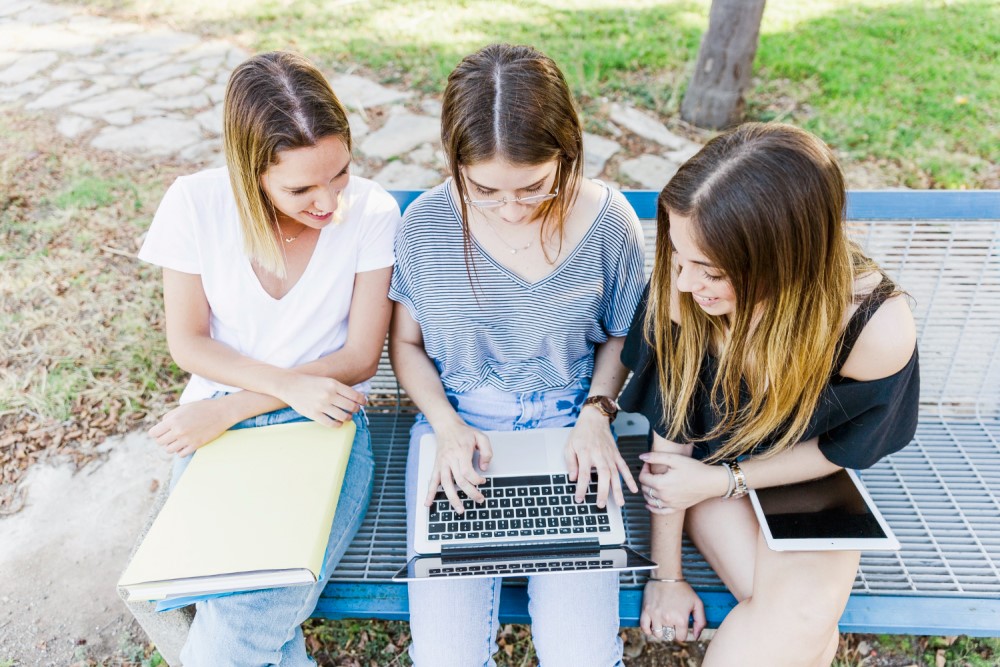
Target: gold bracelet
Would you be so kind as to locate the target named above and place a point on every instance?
(667, 581)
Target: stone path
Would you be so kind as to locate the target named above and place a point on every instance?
(156, 92)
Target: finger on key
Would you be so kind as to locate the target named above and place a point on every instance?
(452, 492)
(623, 468)
(432, 489)
(616, 488)
(583, 481)
(466, 481)
(603, 485)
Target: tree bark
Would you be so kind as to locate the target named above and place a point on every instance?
(725, 62)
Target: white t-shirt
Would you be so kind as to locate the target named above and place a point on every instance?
(196, 230)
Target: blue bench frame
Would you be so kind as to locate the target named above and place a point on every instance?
(944, 613)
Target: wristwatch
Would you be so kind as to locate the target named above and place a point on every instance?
(605, 404)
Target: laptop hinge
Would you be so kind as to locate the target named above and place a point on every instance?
(510, 548)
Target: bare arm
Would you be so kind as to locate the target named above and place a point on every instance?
(319, 390)
(355, 362)
(194, 350)
(456, 440)
(668, 603)
(591, 445)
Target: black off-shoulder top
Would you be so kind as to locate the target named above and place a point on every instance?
(858, 422)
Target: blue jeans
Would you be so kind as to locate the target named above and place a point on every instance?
(263, 627)
(574, 617)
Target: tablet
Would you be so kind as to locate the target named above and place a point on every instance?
(827, 514)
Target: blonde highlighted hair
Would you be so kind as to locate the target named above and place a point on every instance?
(274, 102)
(767, 205)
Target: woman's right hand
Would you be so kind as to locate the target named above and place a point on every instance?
(669, 605)
(321, 399)
(453, 469)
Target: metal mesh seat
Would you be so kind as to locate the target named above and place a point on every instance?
(941, 494)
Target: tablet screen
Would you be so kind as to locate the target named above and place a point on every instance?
(829, 507)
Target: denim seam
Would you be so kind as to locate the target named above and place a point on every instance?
(494, 605)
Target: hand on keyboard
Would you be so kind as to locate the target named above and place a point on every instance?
(527, 507)
(592, 447)
(453, 469)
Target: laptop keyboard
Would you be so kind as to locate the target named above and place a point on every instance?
(522, 506)
(521, 567)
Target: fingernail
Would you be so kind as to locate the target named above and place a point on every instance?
(643, 457)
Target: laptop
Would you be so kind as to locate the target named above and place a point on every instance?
(826, 514)
(530, 523)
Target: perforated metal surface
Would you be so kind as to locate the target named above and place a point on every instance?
(941, 494)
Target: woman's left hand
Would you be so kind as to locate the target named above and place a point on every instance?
(591, 446)
(671, 605)
(684, 483)
(187, 427)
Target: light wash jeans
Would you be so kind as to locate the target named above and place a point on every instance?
(263, 627)
(574, 617)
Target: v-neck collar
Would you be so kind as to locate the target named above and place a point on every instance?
(508, 272)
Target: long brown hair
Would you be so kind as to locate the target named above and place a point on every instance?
(274, 102)
(767, 206)
(513, 103)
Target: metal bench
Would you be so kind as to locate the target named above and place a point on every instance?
(941, 494)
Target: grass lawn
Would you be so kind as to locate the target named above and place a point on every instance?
(907, 86)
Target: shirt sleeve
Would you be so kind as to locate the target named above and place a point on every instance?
(627, 281)
(171, 241)
(381, 221)
(401, 285)
(875, 419)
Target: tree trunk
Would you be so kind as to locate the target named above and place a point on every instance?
(725, 61)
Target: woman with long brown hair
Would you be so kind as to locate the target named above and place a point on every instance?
(275, 280)
(767, 350)
(515, 283)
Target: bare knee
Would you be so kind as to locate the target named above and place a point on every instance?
(807, 612)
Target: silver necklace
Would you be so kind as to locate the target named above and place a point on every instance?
(513, 249)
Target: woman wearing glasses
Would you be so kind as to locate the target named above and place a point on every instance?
(515, 283)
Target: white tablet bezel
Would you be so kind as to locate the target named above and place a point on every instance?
(887, 543)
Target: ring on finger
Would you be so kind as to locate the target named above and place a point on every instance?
(669, 634)
(659, 505)
(651, 493)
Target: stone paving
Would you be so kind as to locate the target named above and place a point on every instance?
(156, 92)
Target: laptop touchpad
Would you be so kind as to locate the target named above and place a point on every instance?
(524, 454)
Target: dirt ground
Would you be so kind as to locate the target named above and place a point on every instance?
(61, 555)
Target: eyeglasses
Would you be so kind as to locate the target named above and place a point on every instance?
(531, 200)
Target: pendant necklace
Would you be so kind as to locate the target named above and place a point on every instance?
(289, 239)
(513, 249)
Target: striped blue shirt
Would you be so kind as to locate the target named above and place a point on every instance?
(507, 333)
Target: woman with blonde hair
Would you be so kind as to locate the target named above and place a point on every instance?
(767, 350)
(276, 272)
(515, 283)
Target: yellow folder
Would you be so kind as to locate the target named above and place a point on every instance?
(253, 510)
